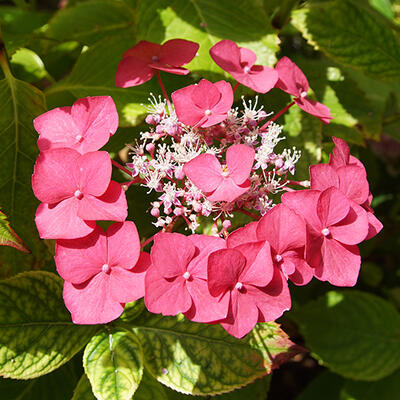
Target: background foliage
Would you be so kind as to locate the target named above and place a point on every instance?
(52, 53)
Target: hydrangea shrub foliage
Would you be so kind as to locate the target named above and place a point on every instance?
(181, 184)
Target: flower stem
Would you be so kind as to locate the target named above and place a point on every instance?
(164, 92)
(264, 127)
(121, 167)
(235, 87)
(146, 242)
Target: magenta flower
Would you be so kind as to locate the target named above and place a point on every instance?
(285, 231)
(293, 81)
(341, 156)
(257, 290)
(334, 226)
(222, 183)
(139, 63)
(239, 62)
(75, 190)
(203, 104)
(102, 272)
(176, 281)
(86, 126)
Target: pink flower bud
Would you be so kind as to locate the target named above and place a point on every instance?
(155, 212)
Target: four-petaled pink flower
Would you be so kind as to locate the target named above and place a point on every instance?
(335, 225)
(239, 62)
(86, 126)
(139, 63)
(102, 272)
(203, 104)
(176, 282)
(257, 290)
(293, 81)
(75, 190)
(222, 183)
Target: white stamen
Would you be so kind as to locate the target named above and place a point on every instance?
(238, 285)
(105, 268)
(207, 112)
(186, 275)
(78, 194)
(278, 258)
(325, 231)
(303, 94)
(246, 70)
(78, 138)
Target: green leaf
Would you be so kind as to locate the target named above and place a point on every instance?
(90, 21)
(36, 332)
(20, 103)
(204, 359)
(355, 334)
(352, 36)
(59, 382)
(8, 237)
(27, 65)
(94, 75)
(113, 364)
(83, 390)
(207, 22)
(327, 383)
(149, 388)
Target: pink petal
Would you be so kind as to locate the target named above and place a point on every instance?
(243, 314)
(353, 228)
(187, 112)
(226, 54)
(291, 78)
(259, 268)
(144, 51)
(132, 72)
(261, 79)
(228, 191)
(54, 177)
(242, 235)
(205, 245)
(171, 254)
(283, 228)
(165, 296)
(323, 176)
(239, 160)
(128, 285)
(247, 57)
(303, 272)
(205, 308)
(171, 70)
(224, 269)
(353, 183)
(304, 202)
(314, 108)
(91, 303)
(205, 95)
(272, 300)
(374, 226)
(340, 153)
(226, 100)
(60, 221)
(341, 263)
(123, 245)
(94, 172)
(178, 52)
(204, 171)
(78, 260)
(332, 207)
(110, 206)
(314, 243)
(96, 119)
(57, 129)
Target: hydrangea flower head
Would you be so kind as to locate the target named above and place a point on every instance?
(86, 126)
(102, 272)
(203, 104)
(139, 64)
(240, 63)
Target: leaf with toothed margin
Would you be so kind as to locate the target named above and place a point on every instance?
(36, 332)
(203, 359)
(8, 237)
(113, 364)
(355, 334)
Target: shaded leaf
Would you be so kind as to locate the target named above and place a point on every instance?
(113, 364)
(8, 237)
(83, 390)
(36, 331)
(355, 334)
